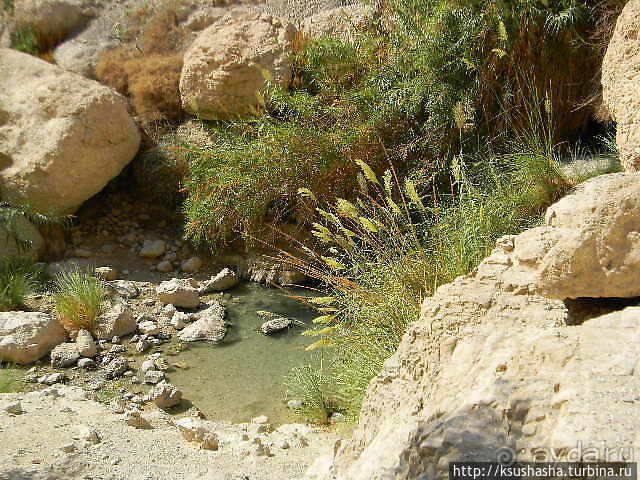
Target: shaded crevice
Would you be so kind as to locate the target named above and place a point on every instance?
(585, 308)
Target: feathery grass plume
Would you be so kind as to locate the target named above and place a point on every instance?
(18, 279)
(79, 299)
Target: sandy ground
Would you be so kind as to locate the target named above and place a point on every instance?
(31, 444)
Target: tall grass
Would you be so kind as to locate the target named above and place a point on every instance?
(18, 279)
(79, 298)
(381, 254)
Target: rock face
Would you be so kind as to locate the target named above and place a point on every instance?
(590, 246)
(178, 292)
(209, 326)
(497, 367)
(228, 66)
(620, 78)
(342, 22)
(27, 336)
(116, 322)
(62, 137)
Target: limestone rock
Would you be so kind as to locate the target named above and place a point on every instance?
(116, 368)
(80, 135)
(85, 345)
(178, 320)
(275, 325)
(179, 293)
(153, 376)
(106, 273)
(27, 336)
(148, 328)
(590, 246)
(210, 325)
(165, 395)
(65, 355)
(224, 280)
(117, 321)
(499, 340)
(227, 68)
(620, 77)
(342, 22)
(153, 248)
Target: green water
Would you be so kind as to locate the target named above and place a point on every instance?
(242, 377)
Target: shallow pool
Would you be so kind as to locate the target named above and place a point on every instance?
(242, 377)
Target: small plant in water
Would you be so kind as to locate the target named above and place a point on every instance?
(79, 298)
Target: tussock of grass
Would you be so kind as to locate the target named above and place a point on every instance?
(312, 386)
(79, 297)
(18, 280)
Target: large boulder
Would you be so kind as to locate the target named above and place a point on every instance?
(620, 78)
(28, 336)
(209, 326)
(499, 366)
(62, 137)
(228, 67)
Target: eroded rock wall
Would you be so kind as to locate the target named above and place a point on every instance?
(495, 369)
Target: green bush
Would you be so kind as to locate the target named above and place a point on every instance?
(18, 279)
(394, 94)
(79, 298)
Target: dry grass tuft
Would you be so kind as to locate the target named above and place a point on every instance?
(151, 81)
(78, 300)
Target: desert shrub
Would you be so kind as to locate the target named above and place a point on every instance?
(151, 81)
(78, 298)
(18, 279)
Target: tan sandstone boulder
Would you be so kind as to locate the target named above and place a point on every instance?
(496, 368)
(620, 79)
(227, 68)
(27, 336)
(62, 136)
